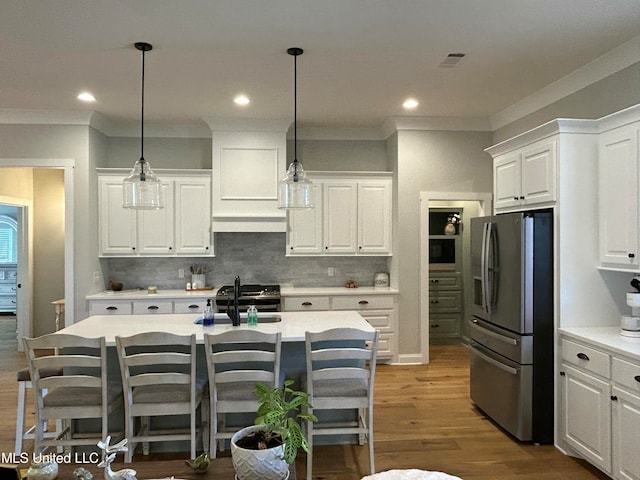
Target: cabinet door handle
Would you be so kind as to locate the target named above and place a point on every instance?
(521, 197)
(435, 281)
(637, 378)
(191, 307)
(562, 374)
(363, 302)
(359, 248)
(434, 325)
(583, 356)
(206, 248)
(153, 307)
(111, 308)
(434, 301)
(632, 255)
(614, 398)
(170, 248)
(515, 198)
(306, 304)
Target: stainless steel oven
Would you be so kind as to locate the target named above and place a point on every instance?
(266, 298)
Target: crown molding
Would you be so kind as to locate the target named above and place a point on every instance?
(475, 124)
(607, 64)
(338, 133)
(229, 124)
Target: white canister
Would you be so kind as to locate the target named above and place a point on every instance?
(381, 280)
(630, 323)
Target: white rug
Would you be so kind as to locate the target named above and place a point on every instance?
(412, 474)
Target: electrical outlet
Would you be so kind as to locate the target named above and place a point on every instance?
(330, 271)
(181, 273)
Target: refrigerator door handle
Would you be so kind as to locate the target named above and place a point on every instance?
(495, 336)
(493, 362)
(486, 248)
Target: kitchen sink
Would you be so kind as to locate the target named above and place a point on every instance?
(223, 318)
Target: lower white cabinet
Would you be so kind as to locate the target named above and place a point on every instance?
(599, 415)
(147, 306)
(380, 310)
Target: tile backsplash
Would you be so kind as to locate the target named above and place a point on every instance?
(256, 257)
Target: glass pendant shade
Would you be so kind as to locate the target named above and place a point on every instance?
(142, 189)
(295, 190)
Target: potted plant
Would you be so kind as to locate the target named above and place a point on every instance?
(265, 450)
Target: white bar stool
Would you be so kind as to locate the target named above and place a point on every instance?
(22, 433)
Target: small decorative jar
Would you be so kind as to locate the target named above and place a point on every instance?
(43, 470)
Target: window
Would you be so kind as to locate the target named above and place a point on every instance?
(8, 240)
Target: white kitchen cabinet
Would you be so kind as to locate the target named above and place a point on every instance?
(586, 413)
(181, 227)
(352, 216)
(599, 415)
(626, 419)
(445, 305)
(380, 310)
(525, 177)
(144, 304)
(619, 229)
(340, 217)
(304, 232)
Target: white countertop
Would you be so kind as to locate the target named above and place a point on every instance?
(293, 325)
(607, 337)
(284, 292)
(318, 291)
(143, 295)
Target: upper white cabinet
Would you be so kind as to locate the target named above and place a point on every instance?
(351, 216)
(525, 177)
(618, 159)
(248, 161)
(182, 227)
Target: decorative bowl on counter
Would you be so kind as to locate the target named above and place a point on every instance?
(116, 286)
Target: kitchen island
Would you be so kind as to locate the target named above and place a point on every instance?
(292, 325)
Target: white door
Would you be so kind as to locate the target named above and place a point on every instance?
(340, 223)
(618, 179)
(374, 218)
(586, 414)
(156, 228)
(305, 227)
(117, 224)
(626, 431)
(193, 216)
(506, 181)
(538, 178)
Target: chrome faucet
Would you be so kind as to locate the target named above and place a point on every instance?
(234, 311)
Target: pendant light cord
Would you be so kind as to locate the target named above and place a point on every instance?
(142, 160)
(295, 108)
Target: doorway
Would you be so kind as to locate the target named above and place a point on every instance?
(470, 205)
(54, 258)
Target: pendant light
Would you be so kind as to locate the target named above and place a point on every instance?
(295, 190)
(142, 188)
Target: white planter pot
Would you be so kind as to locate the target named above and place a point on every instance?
(257, 464)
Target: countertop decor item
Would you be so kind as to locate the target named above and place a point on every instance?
(295, 190)
(116, 286)
(142, 188)
(109, 454)
(43, 469)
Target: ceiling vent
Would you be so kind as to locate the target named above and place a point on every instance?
(452, 60)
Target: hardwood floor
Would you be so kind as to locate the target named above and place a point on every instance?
(424, 419)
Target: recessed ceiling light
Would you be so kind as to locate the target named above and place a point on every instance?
(86, 97)
(242, 100)
(410, 103)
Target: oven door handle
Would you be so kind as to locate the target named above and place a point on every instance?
(493, 362)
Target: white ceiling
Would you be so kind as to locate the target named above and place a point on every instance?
(362, 57)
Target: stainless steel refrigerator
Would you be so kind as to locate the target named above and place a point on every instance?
(511, 326)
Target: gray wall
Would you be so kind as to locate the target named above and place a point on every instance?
(341, 155)
(430, 161)
(160, 152)
(609, 95)
(63, 142)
